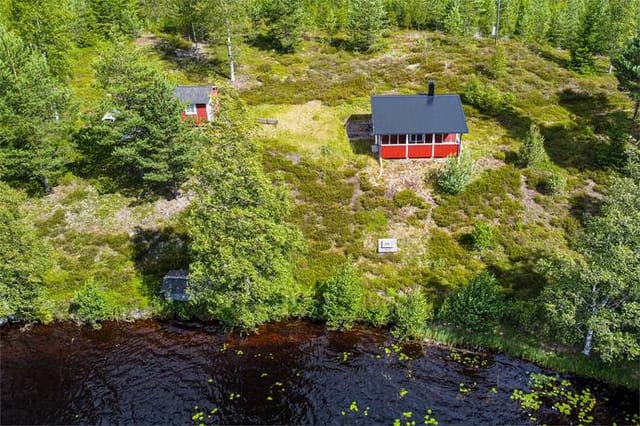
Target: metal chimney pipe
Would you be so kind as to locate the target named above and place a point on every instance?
(432, 88)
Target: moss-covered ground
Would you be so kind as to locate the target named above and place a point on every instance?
(344, 198)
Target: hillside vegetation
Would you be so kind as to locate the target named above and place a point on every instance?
(529, 244)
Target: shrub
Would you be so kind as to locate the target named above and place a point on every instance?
(532, 152)
(498, 62)
(555, 183)
(90, 304)
(456, 175)
(342, 298)
(482, 236)
(476, 307)
(378, 313)
(486, 97)
(407, 197)
(411, 314)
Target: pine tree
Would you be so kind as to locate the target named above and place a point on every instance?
(33, 104)
(627, 69)
(242, 247)
(589, 40)
(365, 22)
(284, 20)
(453, 23)
(146, 146)
(24, 261)
(532, 152)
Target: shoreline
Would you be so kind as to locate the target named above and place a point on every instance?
(511, 345)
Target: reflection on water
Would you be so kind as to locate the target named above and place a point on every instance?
(289, 373)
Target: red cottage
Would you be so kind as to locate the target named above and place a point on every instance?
(201, 102)
(418, 126)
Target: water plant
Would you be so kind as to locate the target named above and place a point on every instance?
(471, 360)
(429, 419)
(463, 389)
(558, 393)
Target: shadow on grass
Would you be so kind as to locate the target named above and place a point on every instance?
(552, 56)
(583, 206)
(155, 252)
(519, 279)
(359, 131)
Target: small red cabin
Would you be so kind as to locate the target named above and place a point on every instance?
(418, 126)
(201, 102)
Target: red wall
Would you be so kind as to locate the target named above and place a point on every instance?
(419, 151)
(201, 114)
(393, 151)
(440, 150)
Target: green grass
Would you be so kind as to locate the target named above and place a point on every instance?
(341, 203)
(529, 348)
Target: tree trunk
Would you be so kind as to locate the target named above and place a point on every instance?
(610, 69)
(175, 192)
(588, 342)
(45, 184)
(193, 31)
(635, 113)
(232, 72)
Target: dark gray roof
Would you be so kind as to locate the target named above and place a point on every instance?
(193, 94)
(398, 115)
(174, 285)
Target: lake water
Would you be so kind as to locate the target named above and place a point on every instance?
(151, 372)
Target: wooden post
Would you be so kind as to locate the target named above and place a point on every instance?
(433, 145)
(406, 147)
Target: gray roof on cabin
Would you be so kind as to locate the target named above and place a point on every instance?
(193, 94)
(174, 285)
(409, 114)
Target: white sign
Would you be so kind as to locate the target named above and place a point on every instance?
(387, 245)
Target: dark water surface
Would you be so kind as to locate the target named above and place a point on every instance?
(290, 373)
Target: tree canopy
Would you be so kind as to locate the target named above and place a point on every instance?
(242, 248)
(24, 261)
(145, 144)
(627, 69)
(33, 107)
(594, 298)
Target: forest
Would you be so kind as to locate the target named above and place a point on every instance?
(529, 243)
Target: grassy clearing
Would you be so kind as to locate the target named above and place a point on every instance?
(101, 237)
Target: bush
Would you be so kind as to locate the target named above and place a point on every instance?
(456, 175)
(554, 184)
(342, 298)
(498, 62)
(407, 197)
(532, 152)
(486, 97)
(482, 236)
(411, 314)
(476, 307)
(378, 313)
(90, 305)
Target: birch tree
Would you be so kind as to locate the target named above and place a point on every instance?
(595, 297)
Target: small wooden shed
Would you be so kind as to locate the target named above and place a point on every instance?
(201, 102)
(175, 285)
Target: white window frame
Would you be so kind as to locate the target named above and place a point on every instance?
(191, 109)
